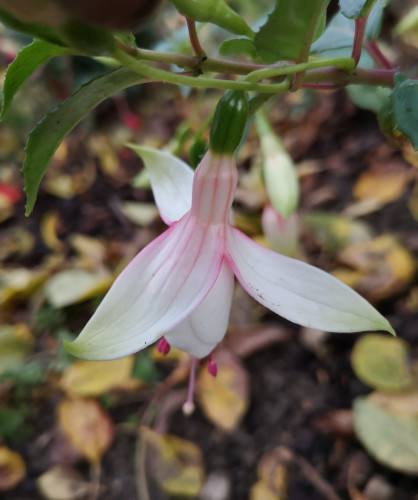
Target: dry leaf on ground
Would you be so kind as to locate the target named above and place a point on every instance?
(224, 399)
(63, 483)
(176, 464)
(12, 468)
(87, 426)
(93, 378)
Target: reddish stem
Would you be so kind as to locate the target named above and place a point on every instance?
(358, 38)
(377, 55)
(194, 40)
(319, 85)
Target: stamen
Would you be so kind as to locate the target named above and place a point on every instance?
(163, 347)
(188, 407)
(212, 366)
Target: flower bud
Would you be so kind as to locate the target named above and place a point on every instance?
(229, 122)
(282, 235)
(214, 11)
(279, 170)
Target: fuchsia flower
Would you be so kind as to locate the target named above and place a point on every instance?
(180, 286)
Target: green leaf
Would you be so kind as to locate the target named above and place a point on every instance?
(238, 46)
(408, 23)
(355, 8)
(290, 29)
(382, 362)
(339, 33)
(47, 135)
(26, 62)
(30, 374)
(374, 21)
(11, 422)
(214, 11)
(375, 99)
(405, 107)
(88, 39)
(391, 438)
(36, 30)
(144, 368)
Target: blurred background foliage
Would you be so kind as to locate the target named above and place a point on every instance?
(290, 414)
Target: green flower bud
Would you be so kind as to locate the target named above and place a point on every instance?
(216, 12)
(279, 170)
(229, 122)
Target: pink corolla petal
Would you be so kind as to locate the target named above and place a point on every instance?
(199, 333)
(297, 291)
(171, 182)
(156, 291)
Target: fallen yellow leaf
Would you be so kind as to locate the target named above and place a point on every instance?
(63, 483)
(87, 426)
(12, 468)
(176, 464)
(93, 378)
(382, 184)
(224, 398)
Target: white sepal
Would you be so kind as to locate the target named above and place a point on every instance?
(299, 292)
(171, 182)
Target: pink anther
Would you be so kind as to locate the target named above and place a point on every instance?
(163, 347)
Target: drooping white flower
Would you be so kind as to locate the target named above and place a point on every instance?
(180, 286)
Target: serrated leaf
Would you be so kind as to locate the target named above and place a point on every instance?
(392, 438)
(355, 8)
(382, 362)
(405, 107)
(36, 30)
(238, 46)
(291, 27)
(47, 135)
(26, 62)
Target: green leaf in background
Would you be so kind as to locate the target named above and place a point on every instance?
(339, 33)
(144, 368)
(88, 39)
(47, 135)
(30, 374)
(390, 437)
(290, 28)
(216, 12)
(16, 342)
(355, 8)
(382, 362)
(26, 62)
(408, 23)
(11, 423)
(405, 107)
(238, 46)
(375, 99)
(36, 30)
(375, 19)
